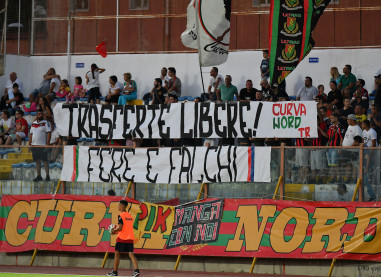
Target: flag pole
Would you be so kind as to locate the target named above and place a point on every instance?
(199, 45)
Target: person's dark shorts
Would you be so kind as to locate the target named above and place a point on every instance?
(39, 153)
(124, 247)
(94, 94)
(113, 99)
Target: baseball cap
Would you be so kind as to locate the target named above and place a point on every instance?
(336, 115)
(352, 117)
(378, 76)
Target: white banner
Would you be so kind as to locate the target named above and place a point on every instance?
(167, 165)
(188, 120)
(208, 30)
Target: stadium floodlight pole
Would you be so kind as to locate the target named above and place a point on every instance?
(68, 42)
(117, 27)
(32, 31)
(199, 47)
(4, 36)
(19, 30)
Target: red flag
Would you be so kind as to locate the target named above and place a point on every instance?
(101, 49)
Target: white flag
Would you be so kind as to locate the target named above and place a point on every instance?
(189, 36)
(212, 30)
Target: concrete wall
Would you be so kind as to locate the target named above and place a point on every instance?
(204, 264)
(241, 66)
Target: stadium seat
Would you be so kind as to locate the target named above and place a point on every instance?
(136, 102)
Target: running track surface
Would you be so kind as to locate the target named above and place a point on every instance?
(123, 272)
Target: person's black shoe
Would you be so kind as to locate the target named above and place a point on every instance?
(136, 273)
(112, 273)
(47, 179)
(37, 179)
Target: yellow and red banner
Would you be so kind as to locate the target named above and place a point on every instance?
(213, 227)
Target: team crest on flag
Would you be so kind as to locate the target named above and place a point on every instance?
(283, 76)
(319, 4)
(288, 53)
(292, 4)
(292, 24)
(291, 27)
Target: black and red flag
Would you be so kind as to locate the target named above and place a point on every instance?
(291, 25)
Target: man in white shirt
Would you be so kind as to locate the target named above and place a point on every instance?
(39, 135)
(14, 79)
(352, 130)
(369, 136)
(215, 81)
(9, 85)
(308, 92)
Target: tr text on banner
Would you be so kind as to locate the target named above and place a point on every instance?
(188, 120)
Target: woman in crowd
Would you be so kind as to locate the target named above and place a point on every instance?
(114, 91)
(92, 81)
(130, 90)
(44, 105)
(335, 75)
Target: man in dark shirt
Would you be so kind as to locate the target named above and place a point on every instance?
(278, 94)
(377, 99)
(266, 90)
(158, 92)
(359, 101)
(334, 96)
(248, 93)
(375, 121)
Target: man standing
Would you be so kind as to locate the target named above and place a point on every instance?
(215, 81)
(227, 91)
(248, 93)
(164, 77)
(125, 239)
(265, 65)
(308, 92)
(347, 81)
(174, 84)
(158, 92)
(335, 138)
(377, 99)
(352, 130)
(40, 133)
(375, 121)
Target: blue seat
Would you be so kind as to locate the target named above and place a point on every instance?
(18, 165)
(190, 98)
(183, 98)
(292, 98)
(33, 113)
(81, 139)
(61, 99)
(83, 99)
(26, 113)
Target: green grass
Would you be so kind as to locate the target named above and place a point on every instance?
(42, 275)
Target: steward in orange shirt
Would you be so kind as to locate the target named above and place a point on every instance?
(125, 239)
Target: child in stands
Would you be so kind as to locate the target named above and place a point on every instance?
(64, 89)
(75, 94)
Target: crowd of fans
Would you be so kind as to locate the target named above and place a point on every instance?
(343, 117)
